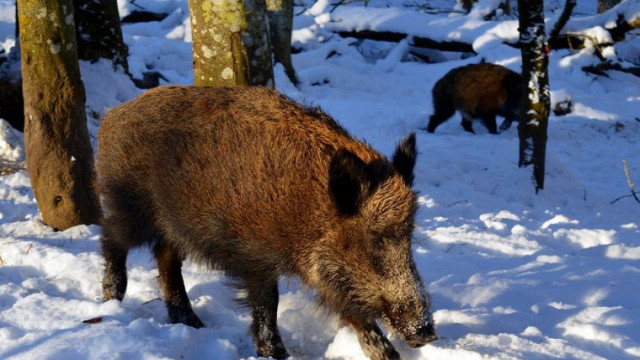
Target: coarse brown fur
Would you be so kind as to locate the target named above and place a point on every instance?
(247, 181)
(477, 91)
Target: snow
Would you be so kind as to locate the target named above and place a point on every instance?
(512, 274)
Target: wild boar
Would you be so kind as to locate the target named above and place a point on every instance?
(477, 91)
(246, 181)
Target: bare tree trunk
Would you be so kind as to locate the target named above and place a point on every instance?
(230, 43)
(98, 32)
(604, 5)
(280, 26)
(532, 129)
(58, 151)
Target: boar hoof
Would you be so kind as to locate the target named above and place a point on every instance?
(275, 351)
(181, 316)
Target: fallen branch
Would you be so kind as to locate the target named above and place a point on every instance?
(417, 41)
(602, 68)
(575, 39)
(346, 2)
(629, 181)
(566, 34)
(634, 194)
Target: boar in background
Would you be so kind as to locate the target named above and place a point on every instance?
(477, 91)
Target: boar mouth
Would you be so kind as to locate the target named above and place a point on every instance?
(414, 333)
(421, 337)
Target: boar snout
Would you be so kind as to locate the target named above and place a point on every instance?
(413, 322)
(423, 335)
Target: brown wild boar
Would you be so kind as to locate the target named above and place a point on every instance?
(246, 181)
(477, 91)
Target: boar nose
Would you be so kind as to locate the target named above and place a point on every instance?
(424, 335)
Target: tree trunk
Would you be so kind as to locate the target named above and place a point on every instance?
(98, 32)
(604, 5)
(58, 151)
(564, 17)
(532, 129)
(230, 43)
(280, 26)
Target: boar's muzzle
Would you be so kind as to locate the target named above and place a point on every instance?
(423, 335)
(413, 322)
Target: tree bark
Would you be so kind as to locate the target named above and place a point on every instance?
(58, 152)
(98, 32)
(532, 129)
(280, 14)
(230, 43)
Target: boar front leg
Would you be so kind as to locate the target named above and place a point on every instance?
(466, 122)
(374, 344)
(175, 295)
(263, 298)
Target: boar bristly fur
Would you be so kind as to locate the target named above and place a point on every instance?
(477, 91)
(246, 181)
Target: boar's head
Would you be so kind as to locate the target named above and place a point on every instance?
(366, 271)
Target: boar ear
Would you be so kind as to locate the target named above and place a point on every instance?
(347, 174)
(404, 158)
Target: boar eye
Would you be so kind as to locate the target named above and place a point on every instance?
(378, 242)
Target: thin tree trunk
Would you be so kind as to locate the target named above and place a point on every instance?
(532, 129)
(564, 17)
(58, 151)
(230, 43)
(98, 32)
(280, 14)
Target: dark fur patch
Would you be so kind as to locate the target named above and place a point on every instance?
(404, 159)
(347, 177)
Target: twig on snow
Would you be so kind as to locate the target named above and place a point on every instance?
(629, 181)
(634, 194)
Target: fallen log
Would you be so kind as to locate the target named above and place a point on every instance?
(417, 41)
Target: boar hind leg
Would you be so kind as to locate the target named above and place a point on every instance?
(125, 225)
(506, 124)
(466, 123)
(114, 282)
(374, 344)
(443, 109)
(175, 295)
(490, 123)
(263, 300)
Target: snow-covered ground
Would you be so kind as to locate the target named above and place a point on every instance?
(512, 274)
